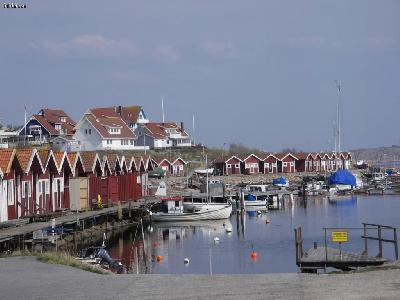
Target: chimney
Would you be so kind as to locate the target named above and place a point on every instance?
(118, 109)
(182, 127)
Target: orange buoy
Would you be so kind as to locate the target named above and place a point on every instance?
(159, 258)
(253, 256)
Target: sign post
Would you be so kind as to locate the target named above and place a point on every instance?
(340, 237)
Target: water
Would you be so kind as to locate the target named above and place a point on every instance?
(273, 242)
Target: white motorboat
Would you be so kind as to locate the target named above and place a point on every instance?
(254, 200)
(173, 209)
(204, 171)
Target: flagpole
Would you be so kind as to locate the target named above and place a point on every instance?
(194, 140)
(162, 109)
(25, 125)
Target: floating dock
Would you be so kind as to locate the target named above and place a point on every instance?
(328, 257)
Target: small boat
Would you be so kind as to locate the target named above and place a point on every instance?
(253, 200)
(173, 209)
(204, 171)
(280, 182)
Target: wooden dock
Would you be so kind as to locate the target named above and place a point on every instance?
(12, 233)
(328, 257)
(322, 257)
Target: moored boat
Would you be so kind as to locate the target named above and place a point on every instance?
(173, 209)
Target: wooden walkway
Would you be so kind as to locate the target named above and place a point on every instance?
(322, 257)
(71, 218)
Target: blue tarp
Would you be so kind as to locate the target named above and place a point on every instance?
(281, 181)
(251, 197)
(342, 177)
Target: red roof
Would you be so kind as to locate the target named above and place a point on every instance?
(6, 158)
(25, 158)
(89, 159)
(48, 118)
(103, 119)
(157, 130)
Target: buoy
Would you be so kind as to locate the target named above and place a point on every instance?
(253, 255)
(159, 258)
(186, 261)
(228, 229)
(259, 212)
(267, 221)
(216, 239)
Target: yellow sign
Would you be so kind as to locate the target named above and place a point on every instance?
(340, 236)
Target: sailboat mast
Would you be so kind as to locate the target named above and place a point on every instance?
(206, 178)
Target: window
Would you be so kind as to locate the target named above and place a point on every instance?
(131, 142)
(90, 131)
(229, 166)
(109, 142)
(57, 127)
(237, 166)
(285, 164)
(26, 189)
(63, 119)
(124, 142)
(10, 192)
(86, 131)
(176, 203)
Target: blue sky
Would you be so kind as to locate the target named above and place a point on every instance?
(259, 73)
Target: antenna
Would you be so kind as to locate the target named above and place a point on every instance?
(339, 88)
(194, 140)
(162, 109)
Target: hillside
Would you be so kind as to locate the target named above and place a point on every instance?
(377, 154)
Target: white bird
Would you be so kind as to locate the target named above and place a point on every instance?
(216, 239)
(228, 229)
(186, 261)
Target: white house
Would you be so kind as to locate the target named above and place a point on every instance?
(104, 129)
(162, 135)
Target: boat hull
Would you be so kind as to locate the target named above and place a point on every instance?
(212, 214)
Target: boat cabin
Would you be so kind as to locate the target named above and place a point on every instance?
(172, 205)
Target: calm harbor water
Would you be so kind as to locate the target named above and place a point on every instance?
(273, 242)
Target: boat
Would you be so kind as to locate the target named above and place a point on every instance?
(204, 171)
(253, 200)
(341, 182)
(280, 182)
(173, 210)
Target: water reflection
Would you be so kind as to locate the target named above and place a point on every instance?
(166, 245)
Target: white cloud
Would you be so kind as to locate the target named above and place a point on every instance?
(91, 45)
(219, 48)
(167, 53)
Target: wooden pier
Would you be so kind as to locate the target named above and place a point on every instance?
(20, 234)
(328, 257)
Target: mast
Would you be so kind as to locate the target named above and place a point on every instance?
(162, 109)
(194, 140)
(207, 179)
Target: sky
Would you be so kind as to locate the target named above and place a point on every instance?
(257, 72)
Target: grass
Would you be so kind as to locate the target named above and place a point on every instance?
(59, 258)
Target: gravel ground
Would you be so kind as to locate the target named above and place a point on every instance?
(27, 278)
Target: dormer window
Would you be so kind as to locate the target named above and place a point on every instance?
(113, 130)
(63, 119)
(57, 126)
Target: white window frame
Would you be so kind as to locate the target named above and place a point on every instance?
(229, 166)
(237, 166)
(10, 192)
(29, 188)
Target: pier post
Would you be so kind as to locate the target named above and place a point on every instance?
(326, 247)
(380, 240)
(396, 249)
(365, 240)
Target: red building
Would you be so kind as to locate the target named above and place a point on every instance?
(250, 164)
(286, 162)
(270, 164)
(228, 165)
(178, 167)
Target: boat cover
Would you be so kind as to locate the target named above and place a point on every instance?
(279, 181)
(251, 197)
(342, 177)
